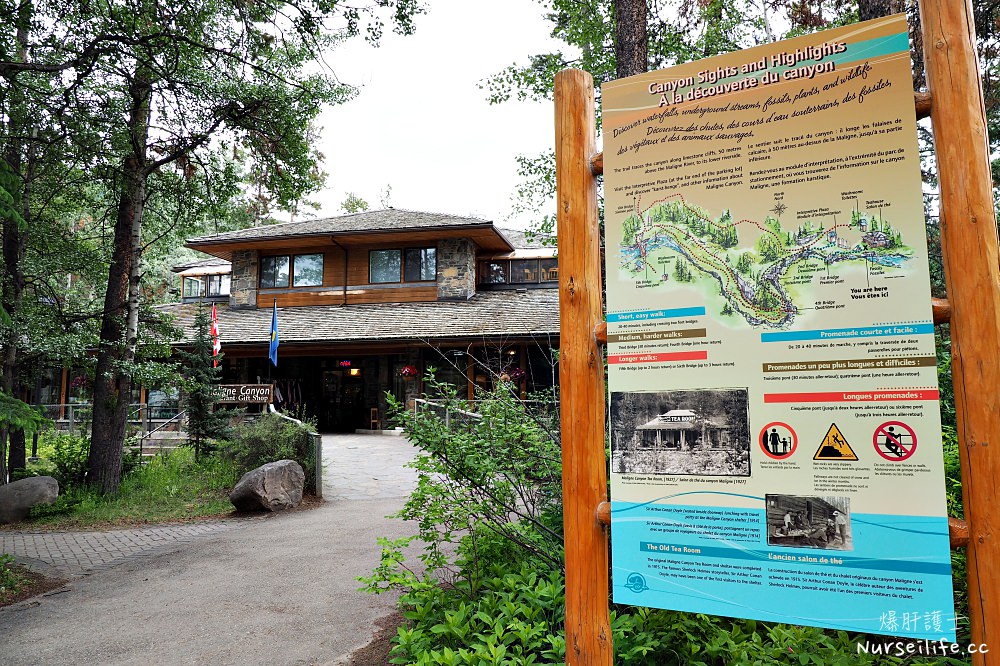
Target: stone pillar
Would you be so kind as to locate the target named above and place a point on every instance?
(243, 284)
(456, 269)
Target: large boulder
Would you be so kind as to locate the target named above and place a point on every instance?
(17, 498)
(275, 486)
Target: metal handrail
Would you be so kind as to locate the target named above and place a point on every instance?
(144, 437)
(317, 440)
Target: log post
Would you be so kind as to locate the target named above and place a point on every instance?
(971, 260)
(581, 373)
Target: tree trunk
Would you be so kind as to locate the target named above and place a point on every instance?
(112, 382)
(631, 45)
(14, 241)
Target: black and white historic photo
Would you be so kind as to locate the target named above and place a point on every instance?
(697, 432)
(809, 522)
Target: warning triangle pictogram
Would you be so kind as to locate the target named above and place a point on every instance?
(834, 446)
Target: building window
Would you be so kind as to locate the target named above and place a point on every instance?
(524, 271)
(493, 272)
(415, 264)
(217, 285)
(192, 287)
(518, 271)
(274, 272)
(420, 264)
(206, 285)
(548, 270)
(384, 266)
(307, 270)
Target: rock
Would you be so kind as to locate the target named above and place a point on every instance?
(17, 498)
(275, 486)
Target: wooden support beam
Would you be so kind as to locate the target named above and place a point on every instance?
(972, 275)
(958, 533)
(922, 102)
(941, 309)
(597, 164)
(581, 373)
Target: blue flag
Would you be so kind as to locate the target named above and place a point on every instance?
(273, 352)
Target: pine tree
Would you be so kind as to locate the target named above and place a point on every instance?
(201, 379)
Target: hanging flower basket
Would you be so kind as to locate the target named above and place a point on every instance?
(408, 371)
(515, 374)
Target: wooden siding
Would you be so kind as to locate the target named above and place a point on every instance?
(358, 288)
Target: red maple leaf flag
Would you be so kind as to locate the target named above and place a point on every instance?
(216, 343)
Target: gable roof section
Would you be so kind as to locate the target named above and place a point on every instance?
(497, 314)
(356, 228)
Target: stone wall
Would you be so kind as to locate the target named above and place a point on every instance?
(456, 269)
(243, 288)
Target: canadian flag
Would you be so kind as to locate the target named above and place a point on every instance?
(216, 343)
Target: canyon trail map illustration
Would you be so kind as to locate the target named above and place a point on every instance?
(767, 272)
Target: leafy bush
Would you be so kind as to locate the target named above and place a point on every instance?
(269, 438)
(70, 453)
(494, 473)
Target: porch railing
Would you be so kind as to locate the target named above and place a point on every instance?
(141, 416)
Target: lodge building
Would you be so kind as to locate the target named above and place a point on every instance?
(368, 302)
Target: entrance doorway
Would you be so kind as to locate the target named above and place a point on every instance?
(343, 400)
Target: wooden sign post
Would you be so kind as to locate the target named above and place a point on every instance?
(581, 373)
(972, 273)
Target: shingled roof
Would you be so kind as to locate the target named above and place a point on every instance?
(389, 219)
(534, 312)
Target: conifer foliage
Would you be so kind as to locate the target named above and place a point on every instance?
(201, 388)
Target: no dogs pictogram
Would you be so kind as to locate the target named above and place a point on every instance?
(778, 440)
(895, 441)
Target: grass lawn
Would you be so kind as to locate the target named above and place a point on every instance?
(169, 488)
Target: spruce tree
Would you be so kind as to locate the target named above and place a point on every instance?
(201, 380)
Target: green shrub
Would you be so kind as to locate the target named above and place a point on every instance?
(269, 438)
(70, 454)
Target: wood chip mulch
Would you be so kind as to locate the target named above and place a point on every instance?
(35, 584)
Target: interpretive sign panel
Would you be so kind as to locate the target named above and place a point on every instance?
(776, 446)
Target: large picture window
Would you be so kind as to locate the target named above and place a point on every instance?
(274, 272)
(307, 270)
(302, 270)
(384, 266)
(415, 264)
(420, 264)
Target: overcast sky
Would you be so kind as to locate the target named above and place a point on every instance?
(422, 125)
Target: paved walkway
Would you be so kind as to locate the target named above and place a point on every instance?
(81, 553)
(355, 467)
(277, 590)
